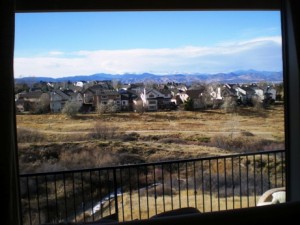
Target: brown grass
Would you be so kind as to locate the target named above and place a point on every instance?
(145, 137)
(138, 205)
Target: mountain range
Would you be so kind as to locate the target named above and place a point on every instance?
(240, 76)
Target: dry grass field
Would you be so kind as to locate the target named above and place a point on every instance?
(138, 206)
(56, 142)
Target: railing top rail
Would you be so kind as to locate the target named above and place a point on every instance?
(153, 164)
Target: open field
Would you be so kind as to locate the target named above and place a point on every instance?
(55, 142)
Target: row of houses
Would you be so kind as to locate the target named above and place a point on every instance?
(134, 97)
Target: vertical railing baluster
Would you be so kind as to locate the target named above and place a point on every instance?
(109, 190)
(138, 192)
(261, 175)
(100, 193)
(163, 186)
(232, 180)
(171, 183)
(56, 200)
(210, 185)
(240, 181)
(282, 169)
(47, 198)
(122, 195)
(29, 204)
(92, 197)
(269, 176)
(130, 193)
(195, 184)
(247, 177)
(65, 195)
(187, 184)
(254, 177)
(115, 185)
(155, 192)
(203, 189)
(178, 182)
(82, 195)
(74, 198)
(147, 193)
(275, 169)
(38, 199)
(225, 180)
(218, 185)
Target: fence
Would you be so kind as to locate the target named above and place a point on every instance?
(140, 191)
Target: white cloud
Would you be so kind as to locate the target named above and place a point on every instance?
(56, 53)
(261, 53)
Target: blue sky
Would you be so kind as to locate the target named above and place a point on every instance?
(67, 44)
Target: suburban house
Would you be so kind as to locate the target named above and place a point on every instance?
(270, 92)
(33, 101)
(77, 97)
(154, 100)
(89, 95)
(105, 96)
(258, 92)
(215, 93)
(127, 99)
(197, 95)
(57, 100)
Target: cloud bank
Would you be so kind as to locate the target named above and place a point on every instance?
(263, 53)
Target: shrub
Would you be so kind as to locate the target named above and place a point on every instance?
(229, 105)
(133, 136)
(87, 159)
(243, 143)
(28, 136)
(189, 105)
(71, 108)
(110, 107)
(103, 132)
(171, 140)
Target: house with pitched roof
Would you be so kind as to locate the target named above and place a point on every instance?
(154, 99)
(57, 100)
(32, 101)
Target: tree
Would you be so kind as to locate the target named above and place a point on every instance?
(43, 106)
(21, 87)
(229, 105)
(138, 106)
(189, 104)
(110, 107)
(116, 84)
(257, 103)
(71, 108)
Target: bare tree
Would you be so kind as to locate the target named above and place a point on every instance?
(116, 84)
(110, 107)
(43, 105)
(139, 107)
(229, 105)
(257, 103)
(71, 109)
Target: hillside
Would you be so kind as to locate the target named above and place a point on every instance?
(241, 76)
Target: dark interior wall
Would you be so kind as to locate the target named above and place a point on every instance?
(9, 179)
(290, 29)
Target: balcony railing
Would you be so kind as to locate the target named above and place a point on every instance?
(141, 191)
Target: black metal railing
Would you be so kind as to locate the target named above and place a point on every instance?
(140, 191)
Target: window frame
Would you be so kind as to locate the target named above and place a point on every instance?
(148, 5)
(8, 8)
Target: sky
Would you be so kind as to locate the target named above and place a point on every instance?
(67, 44)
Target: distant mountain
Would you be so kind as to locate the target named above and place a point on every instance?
(240, 76)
